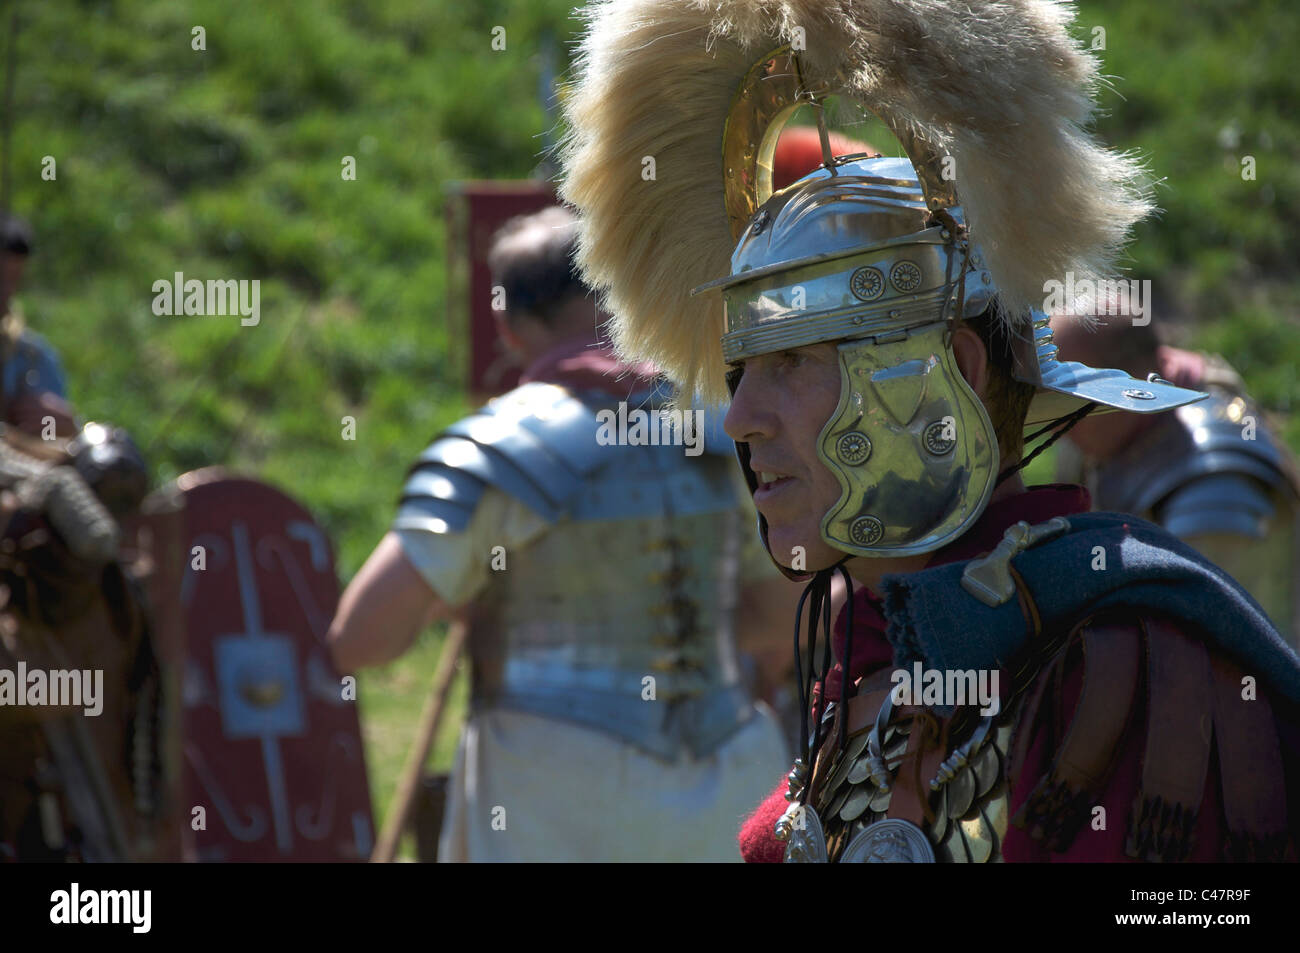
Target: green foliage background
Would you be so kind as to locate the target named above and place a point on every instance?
(226, 163)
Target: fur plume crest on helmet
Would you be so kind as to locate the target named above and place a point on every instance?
(998, 85)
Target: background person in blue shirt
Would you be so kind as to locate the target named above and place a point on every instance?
(32, 383)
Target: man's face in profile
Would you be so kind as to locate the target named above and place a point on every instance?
(781, 403)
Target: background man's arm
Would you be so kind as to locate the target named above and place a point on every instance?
(415, 578)
(384, 608)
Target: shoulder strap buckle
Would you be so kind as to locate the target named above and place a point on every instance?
(988, 578)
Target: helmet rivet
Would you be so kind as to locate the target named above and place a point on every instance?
(853, 448)
(859, 319)
(760, 222)
(866, 531)
(1139, 394)
(867, 283)
(938, 438)
(894, 313)
(945, 234)
(987, 278)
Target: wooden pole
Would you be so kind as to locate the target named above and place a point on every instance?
(430, 718)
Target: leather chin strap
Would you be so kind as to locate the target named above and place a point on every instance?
(819, 610)
(1065, 423)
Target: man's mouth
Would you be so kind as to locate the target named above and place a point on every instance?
(772, 487)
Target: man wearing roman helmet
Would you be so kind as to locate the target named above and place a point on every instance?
(878, 333)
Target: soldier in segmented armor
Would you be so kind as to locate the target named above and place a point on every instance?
(1212, 473)
(878, 333)
(599, 576)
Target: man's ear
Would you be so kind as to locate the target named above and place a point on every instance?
(972, 359)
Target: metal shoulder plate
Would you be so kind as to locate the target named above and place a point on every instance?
(536, 444)
(1229, 467)
(1219, 503)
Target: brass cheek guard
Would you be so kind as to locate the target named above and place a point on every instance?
(910, 444)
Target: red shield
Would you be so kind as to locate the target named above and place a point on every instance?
(271, 739)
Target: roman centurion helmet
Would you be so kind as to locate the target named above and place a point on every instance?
(672, 128)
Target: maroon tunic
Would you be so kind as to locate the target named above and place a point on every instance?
(871, 652)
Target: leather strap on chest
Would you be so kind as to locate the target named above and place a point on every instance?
(926, 748)
(861, 713)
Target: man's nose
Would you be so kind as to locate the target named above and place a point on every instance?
(748, 417)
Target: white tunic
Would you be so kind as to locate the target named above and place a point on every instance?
(528, 788)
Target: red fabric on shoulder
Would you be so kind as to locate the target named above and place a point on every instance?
(1106, 845)
(583, 364)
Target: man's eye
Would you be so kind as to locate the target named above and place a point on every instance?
(733, 377)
